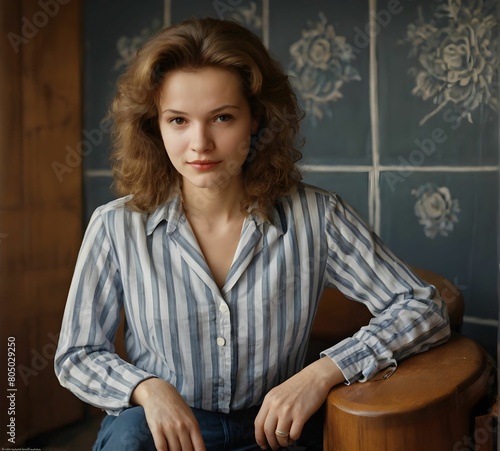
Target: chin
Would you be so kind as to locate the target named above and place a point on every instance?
(215, 183)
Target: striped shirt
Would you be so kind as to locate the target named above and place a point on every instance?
(224, 349)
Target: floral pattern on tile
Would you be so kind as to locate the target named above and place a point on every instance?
(247, 15)
(436, 209)
(321, 64)
(457, 56)
(128, 47)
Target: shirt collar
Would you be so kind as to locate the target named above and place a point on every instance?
(172, 212)
(276, 220)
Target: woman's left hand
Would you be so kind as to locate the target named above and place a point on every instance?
(287, 407)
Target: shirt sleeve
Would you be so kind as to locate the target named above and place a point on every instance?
(85, 360)
(409, 315)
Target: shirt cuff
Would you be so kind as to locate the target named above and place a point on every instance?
(356, 361)
(133, 383)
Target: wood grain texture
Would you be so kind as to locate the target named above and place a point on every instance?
(11, 183)
(40, 214)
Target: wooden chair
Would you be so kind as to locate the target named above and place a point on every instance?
(428, 403)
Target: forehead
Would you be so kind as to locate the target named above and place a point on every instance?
(200, 87)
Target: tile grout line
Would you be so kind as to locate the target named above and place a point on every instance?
(481, 321)
(334, 168)
(98, 173)
(374, 194)
(440, 168)
(265, 22)
(167, 13)
(381, 168)
(353, 168)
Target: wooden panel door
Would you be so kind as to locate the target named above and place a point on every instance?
(40, 209)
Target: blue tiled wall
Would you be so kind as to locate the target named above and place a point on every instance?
(402, 117)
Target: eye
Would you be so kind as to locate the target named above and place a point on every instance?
(223, 118)
(177, 120)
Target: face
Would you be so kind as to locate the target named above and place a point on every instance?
(205, 123)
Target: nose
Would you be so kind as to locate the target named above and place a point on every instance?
(201, 139)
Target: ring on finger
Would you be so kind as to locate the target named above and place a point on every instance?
(281, 433)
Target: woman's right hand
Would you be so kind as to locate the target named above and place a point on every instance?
(170, 420)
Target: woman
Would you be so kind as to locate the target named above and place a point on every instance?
(218, 255)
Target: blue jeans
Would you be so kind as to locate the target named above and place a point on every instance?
(221, 432)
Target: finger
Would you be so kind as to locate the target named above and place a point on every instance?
(282, 433)
(185, 437)
(173, 443)
(198, 443)
(186, 443)
(296, 430)
(159, 440)
(260, 435)
(194, 441)
(270, 427)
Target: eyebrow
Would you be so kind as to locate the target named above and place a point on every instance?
(215, 110)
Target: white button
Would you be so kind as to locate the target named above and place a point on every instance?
(221, 380)
(221, 341)
(223, 308)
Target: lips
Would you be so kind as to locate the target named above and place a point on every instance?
(203, 165)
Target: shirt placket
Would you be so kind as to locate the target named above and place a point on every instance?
(247, 248)
(224, 344)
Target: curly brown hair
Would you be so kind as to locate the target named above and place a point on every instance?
(139, 161)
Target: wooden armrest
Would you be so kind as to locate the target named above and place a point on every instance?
(425, 404)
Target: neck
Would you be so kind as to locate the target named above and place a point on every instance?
(212, 205)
